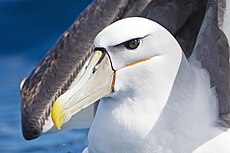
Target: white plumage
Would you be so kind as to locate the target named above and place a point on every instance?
(161, 105)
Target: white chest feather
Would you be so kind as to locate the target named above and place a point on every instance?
(152, 116)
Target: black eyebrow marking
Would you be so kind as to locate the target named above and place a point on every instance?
(130, 40)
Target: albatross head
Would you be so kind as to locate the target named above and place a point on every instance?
(132, 71)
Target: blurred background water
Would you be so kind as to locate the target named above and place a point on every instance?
(28, 28)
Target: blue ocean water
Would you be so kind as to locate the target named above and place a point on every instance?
(28, 28)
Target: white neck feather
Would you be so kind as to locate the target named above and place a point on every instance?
(189, 118)
(164, 105)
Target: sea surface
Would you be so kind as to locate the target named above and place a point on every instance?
(28, 28)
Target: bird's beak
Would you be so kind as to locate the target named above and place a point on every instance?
(96, 82)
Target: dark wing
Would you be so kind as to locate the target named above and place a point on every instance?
(212, 50)
(60, 66)
(181, 17)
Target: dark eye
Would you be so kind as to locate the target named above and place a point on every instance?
(132, 44)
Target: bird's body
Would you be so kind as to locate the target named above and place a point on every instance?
(164, 105)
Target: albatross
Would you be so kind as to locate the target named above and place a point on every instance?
(152, 99)
(157, 93)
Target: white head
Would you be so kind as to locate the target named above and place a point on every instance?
(137, 47)
(154, 41)
(132, 73)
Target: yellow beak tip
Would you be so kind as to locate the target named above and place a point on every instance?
(57, 114)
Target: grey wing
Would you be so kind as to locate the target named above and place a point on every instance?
(181, 17)
(212, 50)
